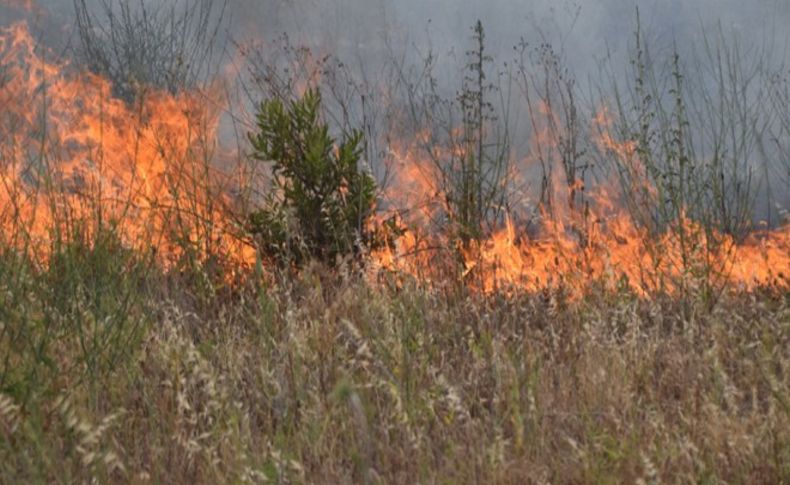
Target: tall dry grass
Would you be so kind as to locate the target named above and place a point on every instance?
(325, 378)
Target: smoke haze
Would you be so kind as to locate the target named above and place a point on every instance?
(586, 28)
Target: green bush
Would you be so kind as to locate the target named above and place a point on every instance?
(321, 202)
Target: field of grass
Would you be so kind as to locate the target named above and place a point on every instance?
(113, 371)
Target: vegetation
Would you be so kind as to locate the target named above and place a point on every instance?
(695, 127)
(328, 379)
(550, 91)
(474, 182)
(321, 202)
(466, 139)
(142, 45)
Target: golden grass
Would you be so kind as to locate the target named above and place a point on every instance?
(331, 380)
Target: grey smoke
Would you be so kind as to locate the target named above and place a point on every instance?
(587, 27)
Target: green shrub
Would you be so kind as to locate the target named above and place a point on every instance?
(321, 201)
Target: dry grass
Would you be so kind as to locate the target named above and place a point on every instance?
(329, 379)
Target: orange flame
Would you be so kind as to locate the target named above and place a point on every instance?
(70, 154)
(600, 245)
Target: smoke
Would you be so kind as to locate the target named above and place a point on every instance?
(586, 28)
(366, 31)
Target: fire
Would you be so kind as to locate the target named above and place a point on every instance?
(576, 250)
(414, 188)
(74, 158)
(72, 155)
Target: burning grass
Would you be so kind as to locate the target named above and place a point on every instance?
(74, 156)
(77, 160)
